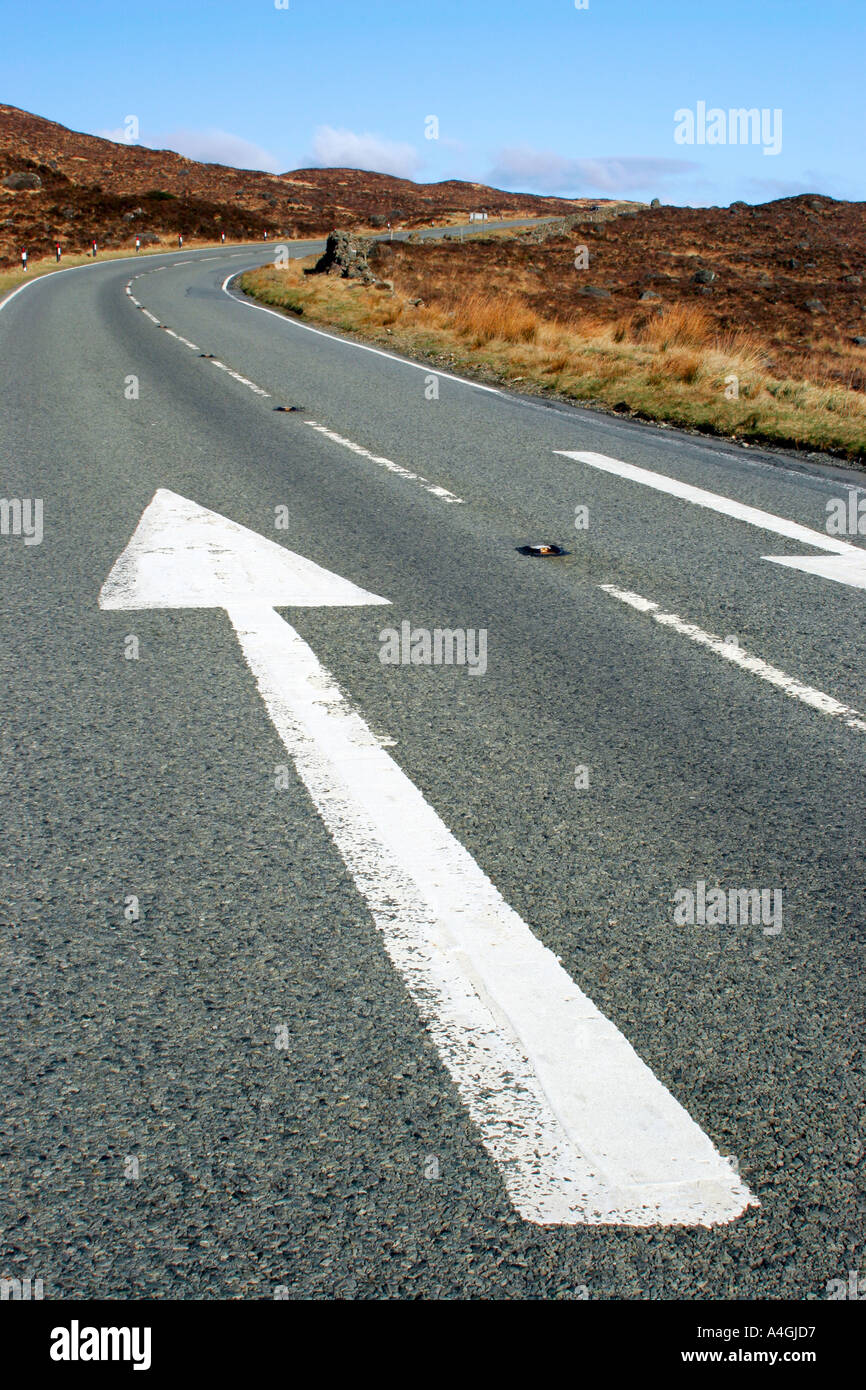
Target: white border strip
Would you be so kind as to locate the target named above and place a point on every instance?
(350, 342)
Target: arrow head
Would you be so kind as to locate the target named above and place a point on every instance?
(185, 556)
(845, 569)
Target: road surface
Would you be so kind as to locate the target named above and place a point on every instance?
(218, 1079)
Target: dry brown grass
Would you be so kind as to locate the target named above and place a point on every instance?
(674, 365)
(681, 325)
(487, 318)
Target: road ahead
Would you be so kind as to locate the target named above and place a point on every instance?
(219, 1078)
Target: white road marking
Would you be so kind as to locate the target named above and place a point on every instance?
(186, 342)
(827, 704)
(150, 316)
(844, 569)
(581, 1129)
(398, 468)
(434, 488)
(362, 347)
(96, 265)
(180, 338)
(852, 571)
(244, 380)
(28, 283)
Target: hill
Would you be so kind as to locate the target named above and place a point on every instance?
(789, 273)
(59, 185)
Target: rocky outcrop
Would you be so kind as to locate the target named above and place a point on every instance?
(22, 180)
(348, 255)
(345, 255)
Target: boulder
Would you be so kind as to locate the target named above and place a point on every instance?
(704, 277)
(815, 306)
(22, 180)
(381, 251)
(594, 292)
(649, 294)
(345, 255)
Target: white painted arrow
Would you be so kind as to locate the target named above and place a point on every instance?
(582, 1130)
(848, 562)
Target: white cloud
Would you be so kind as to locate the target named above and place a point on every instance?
(542, 171)
(344, 149)
(214, 146)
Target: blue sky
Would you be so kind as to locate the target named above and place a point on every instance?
(529, 94)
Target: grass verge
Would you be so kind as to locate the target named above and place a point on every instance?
(671, 366)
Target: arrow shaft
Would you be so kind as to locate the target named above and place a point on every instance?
(581, 1129)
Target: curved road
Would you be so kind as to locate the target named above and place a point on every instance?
(216, 1083)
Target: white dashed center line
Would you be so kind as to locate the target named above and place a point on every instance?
(245, 381)
(398, 468)
(827, 704)
(433, 488)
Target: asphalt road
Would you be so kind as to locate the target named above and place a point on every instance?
(156, 1140)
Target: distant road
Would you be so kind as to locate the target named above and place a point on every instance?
(235, 1063)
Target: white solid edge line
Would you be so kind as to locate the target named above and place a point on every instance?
(712, 501)
(98, 265)
(434, 488)
(581, 1129)
(816, 699)
(363, 347)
